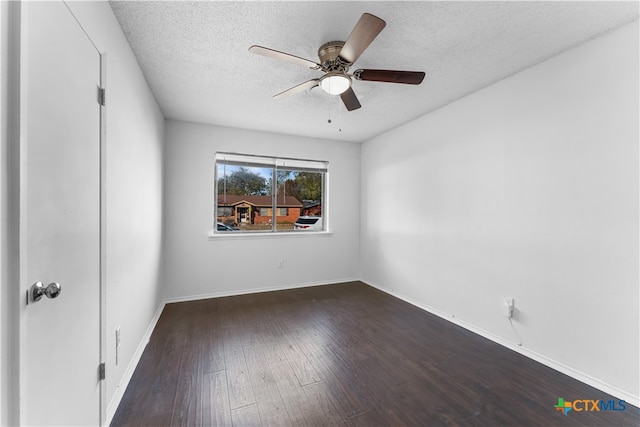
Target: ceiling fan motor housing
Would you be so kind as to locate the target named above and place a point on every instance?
(329, 57)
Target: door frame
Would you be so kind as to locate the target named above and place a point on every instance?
(103, 238)
(9, 197)
(18, 139)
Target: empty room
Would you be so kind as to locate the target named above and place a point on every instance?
(318, 213)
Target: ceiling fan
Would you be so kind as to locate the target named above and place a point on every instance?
(335, 59)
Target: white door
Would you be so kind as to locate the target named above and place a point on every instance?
(60, 218)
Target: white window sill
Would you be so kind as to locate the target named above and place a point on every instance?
(269, 235)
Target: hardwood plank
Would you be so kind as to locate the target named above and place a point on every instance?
(294, 397)
(302, 368)
(271, 332)
(214, 351)
(188, 405)
(322, 412)
(344, 392)
(216, 411)
(268, 400)
(246, 416)
(238, 382)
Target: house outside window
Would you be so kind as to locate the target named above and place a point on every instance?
(267, 194)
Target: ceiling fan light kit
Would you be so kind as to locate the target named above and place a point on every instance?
(335, 59)
(335, 83)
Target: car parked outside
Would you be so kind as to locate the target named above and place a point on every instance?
(308, 223)
(224, 227)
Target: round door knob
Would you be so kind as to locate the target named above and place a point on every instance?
(38, 290)
(53, 290)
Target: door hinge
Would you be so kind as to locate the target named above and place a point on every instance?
(102, 371)
(102, 96)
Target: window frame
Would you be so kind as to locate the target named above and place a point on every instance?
(274, 163)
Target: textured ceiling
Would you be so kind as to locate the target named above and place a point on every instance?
(195, 56)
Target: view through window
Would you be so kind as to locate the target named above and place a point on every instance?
(269, 194)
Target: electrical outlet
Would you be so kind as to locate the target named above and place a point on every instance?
(118, 345)
(509, 305)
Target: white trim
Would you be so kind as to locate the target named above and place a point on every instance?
(10, 199)
(22, 14)
(253, 160)
(553, 364)
(268, 234)
(103, 236)
(257, 290)
(4, 55)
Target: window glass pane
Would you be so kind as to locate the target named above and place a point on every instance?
(225, 211)
(300, 193)
(263, 194)
(243, 194)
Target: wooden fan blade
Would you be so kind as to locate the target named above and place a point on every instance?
(271, 53)
(350, 100)
(367, 29)
(390, 76)
(296, 89)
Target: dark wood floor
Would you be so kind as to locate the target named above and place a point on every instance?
(343, 354)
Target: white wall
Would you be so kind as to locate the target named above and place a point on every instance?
(195, 265)
(528, 188)
(135, 136)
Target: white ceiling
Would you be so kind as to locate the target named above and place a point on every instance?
(195, 56)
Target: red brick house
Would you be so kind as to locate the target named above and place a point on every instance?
(257, 209)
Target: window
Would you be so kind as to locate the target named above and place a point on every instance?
(225, 211)
(268, 194)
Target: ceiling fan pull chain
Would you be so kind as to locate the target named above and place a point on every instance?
(339, 106)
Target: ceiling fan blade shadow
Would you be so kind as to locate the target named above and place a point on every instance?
(297, 89)
(367, 29)
(390, 76)
(275, 54)
(350, 100)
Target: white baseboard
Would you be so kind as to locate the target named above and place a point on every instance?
(133, 363)
(553, 364)
(256, 290)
